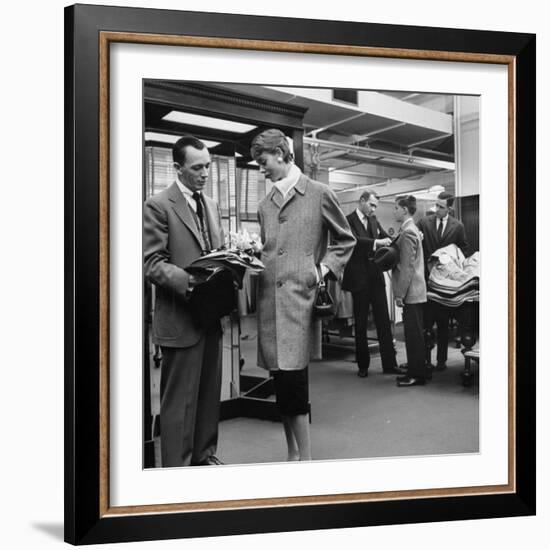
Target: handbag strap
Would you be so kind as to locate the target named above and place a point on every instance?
(321, 282)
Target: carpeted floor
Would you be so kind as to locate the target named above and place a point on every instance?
(356, 417)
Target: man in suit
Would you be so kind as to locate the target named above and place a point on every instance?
(365, 281)
(409, 290)
(439, 230)
(179, 224)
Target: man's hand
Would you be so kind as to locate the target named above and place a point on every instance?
(382, 242)
(399, 302)
(192, 282)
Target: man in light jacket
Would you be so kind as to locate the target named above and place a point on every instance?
(409, 289)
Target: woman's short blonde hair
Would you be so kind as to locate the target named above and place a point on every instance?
(268, 142)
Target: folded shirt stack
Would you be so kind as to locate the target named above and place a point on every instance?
(453, 279)
(236, 262)
(218, 274)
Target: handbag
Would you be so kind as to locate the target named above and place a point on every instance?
(323, 305)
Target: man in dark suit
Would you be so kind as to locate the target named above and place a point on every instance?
(439, 230)
(365, 281)
(179, 224)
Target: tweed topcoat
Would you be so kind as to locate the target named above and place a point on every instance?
(295, 233)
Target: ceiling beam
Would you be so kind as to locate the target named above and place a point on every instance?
(381, 105)
(336, 123)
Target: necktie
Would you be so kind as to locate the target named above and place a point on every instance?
(440, 230)
(202, 223)
(198, 201)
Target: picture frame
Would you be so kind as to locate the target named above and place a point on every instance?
(89, 33)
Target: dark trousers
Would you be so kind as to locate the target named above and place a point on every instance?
(361, 302)
(190, 401)
(414, 340)
(438, 314)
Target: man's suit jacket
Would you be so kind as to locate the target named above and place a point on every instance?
(171, 242)
(408, 280)
(454, 234)
(361, 272)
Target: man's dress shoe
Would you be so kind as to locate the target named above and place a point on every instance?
(212, 460)
(395, 370)
(410, 381)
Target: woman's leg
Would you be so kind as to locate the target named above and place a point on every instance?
(291, 390)
(299, 425)
(293, 452)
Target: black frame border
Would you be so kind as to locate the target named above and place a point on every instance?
(83, 523)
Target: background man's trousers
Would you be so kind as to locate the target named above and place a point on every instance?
(361, 302)
(438, 314)
(414, 340)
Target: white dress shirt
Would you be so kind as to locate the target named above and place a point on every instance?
(444, 222)
(188, 194)
(364, 219)
(285, 184)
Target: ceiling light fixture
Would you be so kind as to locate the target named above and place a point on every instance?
(169, 138)
(208, 122)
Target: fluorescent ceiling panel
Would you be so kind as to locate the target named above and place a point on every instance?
(208, 122)
(168, 138)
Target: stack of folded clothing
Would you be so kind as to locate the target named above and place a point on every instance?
(453, 279)
(218, 274)
(235, 261)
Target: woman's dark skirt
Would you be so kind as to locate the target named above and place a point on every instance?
(291, 391)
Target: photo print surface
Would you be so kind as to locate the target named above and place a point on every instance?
(256, 199)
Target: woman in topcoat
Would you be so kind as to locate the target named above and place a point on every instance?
(297, 217)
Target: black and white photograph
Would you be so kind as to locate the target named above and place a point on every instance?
(311, 273)
(278, 228)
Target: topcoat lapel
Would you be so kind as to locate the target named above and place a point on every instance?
(289, 197)
(276, 197)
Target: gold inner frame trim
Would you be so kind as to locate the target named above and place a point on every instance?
(105, 39)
